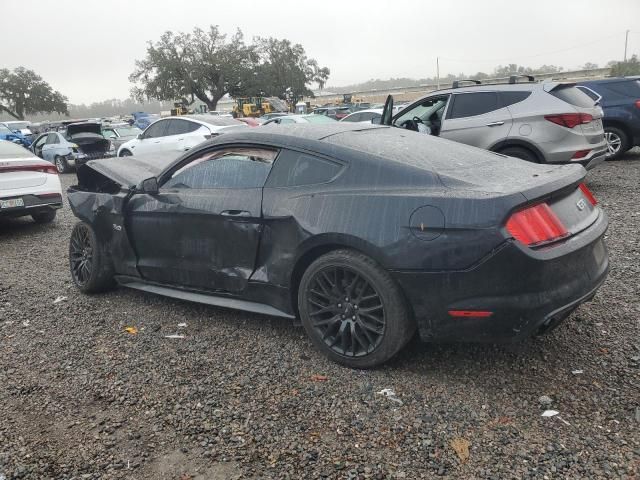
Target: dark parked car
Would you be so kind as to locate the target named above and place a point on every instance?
(365, 233)
(620, 100)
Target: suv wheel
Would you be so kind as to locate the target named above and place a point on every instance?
(352, 310)
(617, 142)
(519, 152)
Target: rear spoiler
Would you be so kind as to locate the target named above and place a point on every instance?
(551, 86)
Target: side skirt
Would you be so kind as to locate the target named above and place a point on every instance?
(218, 301)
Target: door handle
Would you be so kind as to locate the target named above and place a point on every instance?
(494, 124)
(235, 213)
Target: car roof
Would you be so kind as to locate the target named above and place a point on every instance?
(609, 80)
(368, 110)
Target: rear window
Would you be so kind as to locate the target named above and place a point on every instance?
(629, 88)
(296, 169)
(573, 96)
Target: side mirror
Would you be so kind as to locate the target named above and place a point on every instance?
(139, 137)
(149, 186)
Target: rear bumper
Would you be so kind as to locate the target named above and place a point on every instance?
(526, 290)
(33, 203)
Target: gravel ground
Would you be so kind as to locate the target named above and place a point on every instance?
(246, 396)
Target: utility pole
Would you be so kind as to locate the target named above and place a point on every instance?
(438, 68)
(626, 40)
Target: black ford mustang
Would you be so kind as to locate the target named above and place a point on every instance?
(363, 232)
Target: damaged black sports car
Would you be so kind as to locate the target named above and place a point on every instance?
(364, 233)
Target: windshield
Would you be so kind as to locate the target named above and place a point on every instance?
(128, 131)
(18, 125)
(4, 130)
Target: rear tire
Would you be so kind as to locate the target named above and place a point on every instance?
(521, 153)
(44, 217)
(91, 269)
(617, 142)
(125, 153)
(352, 310)
(61, 164)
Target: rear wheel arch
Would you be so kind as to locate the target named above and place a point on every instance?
(504, 144)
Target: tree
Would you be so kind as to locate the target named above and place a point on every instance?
(203, 65)
(23, 92)
(625, 69)
(589, 66)
(285, 71)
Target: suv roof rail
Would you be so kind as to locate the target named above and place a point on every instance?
(456, 83)
(514, 78)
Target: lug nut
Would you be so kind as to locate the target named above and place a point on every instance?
(339, 305)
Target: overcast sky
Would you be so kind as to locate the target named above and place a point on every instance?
(86, 48)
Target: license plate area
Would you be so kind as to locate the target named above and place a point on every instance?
(12, 203)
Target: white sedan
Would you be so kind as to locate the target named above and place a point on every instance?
(178, 134)
(364, 116)
(28, 185)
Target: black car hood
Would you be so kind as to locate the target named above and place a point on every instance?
(85, 127)
(130, 171)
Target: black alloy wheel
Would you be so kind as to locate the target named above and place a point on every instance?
(346, 311)
(89, 262)
(353, 310)
(81, 255)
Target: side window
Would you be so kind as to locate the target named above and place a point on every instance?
(109, 133)
(472, 104)
(367, 116)
(156, 129)
(180, 127)
(226, 168)
(295, 169)
(52, 138)
(286, 120)
(509, 98)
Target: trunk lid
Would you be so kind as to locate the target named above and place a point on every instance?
(22, 173)
(85, 127)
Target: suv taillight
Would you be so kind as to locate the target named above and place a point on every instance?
(569, 120)
(536, 225)
(637, 103)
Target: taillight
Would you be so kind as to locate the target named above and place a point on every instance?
(637, 103)
(536, 225)
(40, 167)
(569, 120)
(587, 193)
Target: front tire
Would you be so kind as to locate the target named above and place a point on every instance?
(352, 310)
(61, 164)
(44, 217)
(91, 269)
(125, 153)
(617, 142)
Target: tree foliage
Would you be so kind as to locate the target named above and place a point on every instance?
(207, 65)
(625, 69)
(23, 92)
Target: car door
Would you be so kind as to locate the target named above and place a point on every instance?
(476, 118)
(151, 139)
(202, 229)
(39, 144)
(49, 149)
(424, 116)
